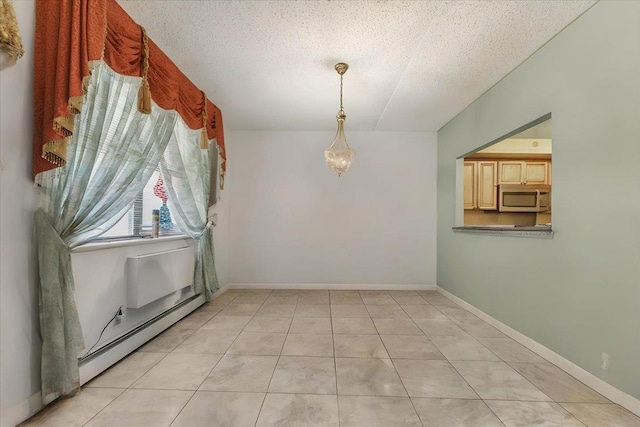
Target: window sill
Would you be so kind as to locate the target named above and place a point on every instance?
(530, 232)
(130, 241)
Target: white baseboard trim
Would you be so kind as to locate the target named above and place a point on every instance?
(16, 414)
(334, 286)
(95, 366)
(607, 390)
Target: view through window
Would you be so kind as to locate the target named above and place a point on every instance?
(138, 220)
(508, 183)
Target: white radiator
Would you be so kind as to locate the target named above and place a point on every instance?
(153, 276)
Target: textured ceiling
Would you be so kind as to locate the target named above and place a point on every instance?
(414, 65)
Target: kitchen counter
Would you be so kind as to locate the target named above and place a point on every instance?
(537, 232)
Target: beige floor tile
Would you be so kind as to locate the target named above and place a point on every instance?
(127, 371)
(234, 309)
(194, 321)
(400, 293)
(220, 409)
(497, 380)
(210, 308)
(479, 328)
(251, 299)
(430, 294)
(280, 299)
(386, 312)
(440, 301)
(359, 346)
(379, 299)
(258, 291)
(227, 323)
(273, 324)
(356, 325)
(455, 413)
(310, 325)
(410, 300)
(226, 298)
(345, 297)
(207, 341)
(432, 378)
(297, 410)
(74, 412)
(142, 408)
(258, 344)
(241, 373)
(296, 374)
(276, 310)
(397, 327)
(526, 414)
(286, 292)
(308, 345)
(345, 293)
(600, 415)
(463, 348)
(557, 384)
(313, 298)
(374, 292)
(368, 377)
(434, 328)
(306, 310)
(410, 347)
(167, 341)
(423, 312)
(373, 411)
(457, 313)
(349, 310)
(511, 351)
(179, 372)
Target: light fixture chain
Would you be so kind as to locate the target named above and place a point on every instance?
(341, 109)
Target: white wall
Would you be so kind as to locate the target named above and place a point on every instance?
(578, 293)
(295, 221)
(19, 339)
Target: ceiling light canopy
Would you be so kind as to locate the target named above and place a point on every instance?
(339, 155)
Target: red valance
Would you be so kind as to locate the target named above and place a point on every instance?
(72, 33)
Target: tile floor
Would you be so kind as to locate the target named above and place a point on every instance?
(261, 358)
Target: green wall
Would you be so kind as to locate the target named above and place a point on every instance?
(578, 293)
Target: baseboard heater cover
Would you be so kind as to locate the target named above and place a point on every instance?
(153, 276)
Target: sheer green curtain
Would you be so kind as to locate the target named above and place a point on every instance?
(185, 170)
(113, 152)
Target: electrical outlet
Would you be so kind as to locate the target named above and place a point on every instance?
(605, 361)
(120, 314)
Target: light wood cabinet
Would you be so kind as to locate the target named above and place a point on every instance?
(487, 194)
(523, 172)
(535, 173)
(470, 181)
(481, 185)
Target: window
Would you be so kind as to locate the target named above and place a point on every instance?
(138, 221)
(507, 183)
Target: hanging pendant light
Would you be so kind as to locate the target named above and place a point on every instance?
(339, 155)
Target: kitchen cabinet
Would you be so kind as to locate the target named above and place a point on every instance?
(487, 185)
(470, 182)
(523, 172)
(481, 185)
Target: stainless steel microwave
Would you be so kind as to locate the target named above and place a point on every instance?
(524, 198)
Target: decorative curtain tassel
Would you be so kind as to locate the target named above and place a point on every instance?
(144, 97)
(204, 139)
(144, 93)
